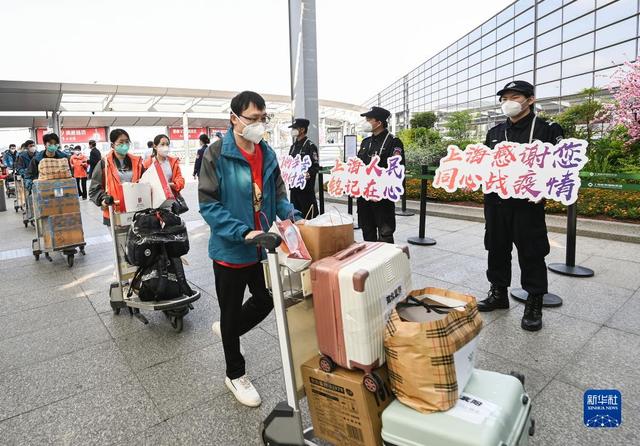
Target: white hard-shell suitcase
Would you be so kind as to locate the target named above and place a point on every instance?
(494, 410)
(353, 292)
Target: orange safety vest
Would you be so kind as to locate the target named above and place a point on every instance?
(112, 184)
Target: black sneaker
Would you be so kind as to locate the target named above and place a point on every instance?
(497, 299)
(532, 319)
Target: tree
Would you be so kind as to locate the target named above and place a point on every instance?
(579, 120)
(458, 125)
(423, 120)
(625, 89)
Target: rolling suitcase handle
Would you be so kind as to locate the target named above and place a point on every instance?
(350, 251)
(283, 426)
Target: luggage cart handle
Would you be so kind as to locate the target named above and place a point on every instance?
(267, 240)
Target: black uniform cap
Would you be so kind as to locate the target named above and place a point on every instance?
(519, 86)
(378, 113)
(300, 123)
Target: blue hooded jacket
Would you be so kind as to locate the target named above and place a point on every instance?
(225, 193)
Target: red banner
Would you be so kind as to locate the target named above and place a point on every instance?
(214, 130)
(76, 136)
(176, 133)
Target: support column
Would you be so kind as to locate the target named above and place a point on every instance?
(304, 63)
(185, 137)
(54, 122)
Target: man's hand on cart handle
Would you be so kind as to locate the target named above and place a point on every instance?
(267, 240)
(252, 234)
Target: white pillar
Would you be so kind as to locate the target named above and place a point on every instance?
(393, 123)
(304, 63)
(185, 137)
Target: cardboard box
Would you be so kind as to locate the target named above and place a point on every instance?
(342, 410)
(63, 230)
(136, 197)
(53, 168)
(54, 188)
(54, 197)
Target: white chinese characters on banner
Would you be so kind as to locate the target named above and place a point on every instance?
(371, 182)
(533, 171)
(294, 171)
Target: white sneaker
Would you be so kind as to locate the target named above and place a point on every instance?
(218, 332)
(244, 391)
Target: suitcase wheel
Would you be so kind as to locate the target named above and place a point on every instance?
(372, 382)
(326, 364)
(518, 375)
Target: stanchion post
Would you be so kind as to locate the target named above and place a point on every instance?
(321, 191)
(403, 212)
(569, 268)
(421, 240)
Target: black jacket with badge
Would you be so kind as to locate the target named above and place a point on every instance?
(306, 147)
(384, 145)
(520, 132)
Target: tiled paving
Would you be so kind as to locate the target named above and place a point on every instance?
(73, 373)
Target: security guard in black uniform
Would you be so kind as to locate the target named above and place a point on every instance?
(304, 200)
(517, 221)
(378, 218)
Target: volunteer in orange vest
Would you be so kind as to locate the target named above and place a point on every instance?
(117, 167)
(170, 164)
(80, 163)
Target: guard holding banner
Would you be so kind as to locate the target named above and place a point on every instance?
(378, 218)
(304, 200)
(517, 221)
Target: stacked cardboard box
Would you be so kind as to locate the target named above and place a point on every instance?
(63, 230)
(53, 168)
(342, 410)
(57, 209)
(54, 197)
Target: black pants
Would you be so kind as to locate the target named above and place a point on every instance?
(82, 187)
(304, 200)
(237, 318)
(377, 220)
(521, 223)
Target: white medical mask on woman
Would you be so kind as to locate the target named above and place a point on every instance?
(295, 133)
(163, 151)
(511, 108)
(252, 132)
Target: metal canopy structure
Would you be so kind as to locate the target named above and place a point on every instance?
(31, 104)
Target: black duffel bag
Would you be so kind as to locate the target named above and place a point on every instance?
(152, 229)
(164, 279)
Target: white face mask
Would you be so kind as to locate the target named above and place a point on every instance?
(366, 127)
(32, 149)
(252, 132)
(511, 108)
(295, 133)
(162, 150)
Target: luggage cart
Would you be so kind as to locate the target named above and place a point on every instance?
(68, 251)
(19, 202)
(10, 184)
(174, 309)
(283, 426)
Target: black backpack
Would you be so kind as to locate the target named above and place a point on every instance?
(163, 279)
(152, 229)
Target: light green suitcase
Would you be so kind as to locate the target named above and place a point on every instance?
(494, 410)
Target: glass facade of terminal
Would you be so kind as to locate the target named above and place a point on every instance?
(560, 46)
